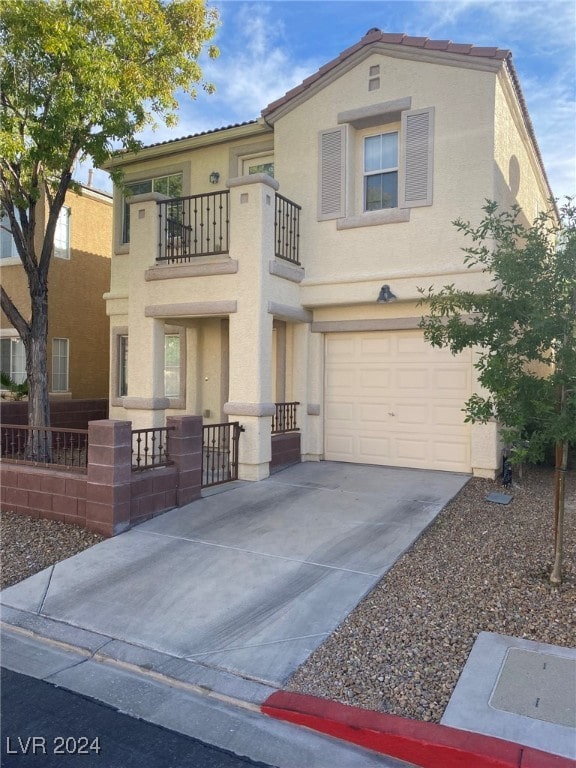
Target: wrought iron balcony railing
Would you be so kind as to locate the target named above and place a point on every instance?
(199, 225)
(193, 226)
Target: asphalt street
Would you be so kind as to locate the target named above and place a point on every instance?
(43, 725)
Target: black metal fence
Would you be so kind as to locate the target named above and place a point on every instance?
(284, 420)
(45, 446)
(287, 229)
(220, 453)
(197, 225)
(149, 448)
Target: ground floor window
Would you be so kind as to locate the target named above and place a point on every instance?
(122, 366)
(13, 359)
(60, 366)
(172, 365)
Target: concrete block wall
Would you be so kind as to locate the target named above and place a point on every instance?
(109, 498)
(64, 414)
(42, 493)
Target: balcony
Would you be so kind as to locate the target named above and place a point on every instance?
(199, 225)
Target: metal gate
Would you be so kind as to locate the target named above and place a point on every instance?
(220, 453)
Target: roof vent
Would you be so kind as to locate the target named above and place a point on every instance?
(374, 29)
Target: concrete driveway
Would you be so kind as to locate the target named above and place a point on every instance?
(249, 580)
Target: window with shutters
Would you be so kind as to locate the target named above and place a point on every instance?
(376, 165)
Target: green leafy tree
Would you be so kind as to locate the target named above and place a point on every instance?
(522, 330)
(79, 79)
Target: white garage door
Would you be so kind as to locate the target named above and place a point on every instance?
(391, 398)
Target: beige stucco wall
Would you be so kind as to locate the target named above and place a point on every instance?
(518, 178)
(464, 102)
(76, 308)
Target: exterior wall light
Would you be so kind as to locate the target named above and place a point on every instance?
(214, 177)
(385, 295)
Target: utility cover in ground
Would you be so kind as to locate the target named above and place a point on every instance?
(537, 685)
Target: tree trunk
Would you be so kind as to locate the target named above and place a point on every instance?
(36, 344)
(561, 467)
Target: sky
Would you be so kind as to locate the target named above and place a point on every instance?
(269, 46)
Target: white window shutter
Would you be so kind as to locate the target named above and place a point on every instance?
(332, 181)
(416, 158)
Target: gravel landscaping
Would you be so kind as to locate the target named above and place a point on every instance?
(479, 566)
(28, 545)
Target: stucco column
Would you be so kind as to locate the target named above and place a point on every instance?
(145, 404)
(250, 396)
(313, 438)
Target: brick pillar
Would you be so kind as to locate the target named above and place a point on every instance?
(109, 475)
(185, 450)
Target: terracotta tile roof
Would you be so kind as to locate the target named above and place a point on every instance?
(377, 36)
(201, 133)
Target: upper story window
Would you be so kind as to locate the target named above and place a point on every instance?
(61, 237)
(258, 164)
(7, 244)
(171, 186)
(381, 171)
(62, 234)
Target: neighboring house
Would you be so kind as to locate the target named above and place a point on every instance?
(78, 327)
(256, 264)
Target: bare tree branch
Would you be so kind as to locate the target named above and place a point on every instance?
(13, 314)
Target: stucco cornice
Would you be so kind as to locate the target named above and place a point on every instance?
(191, 309)
(203, 269)
(290, 314)
(145, 403)
(249, 409)
(288, 272)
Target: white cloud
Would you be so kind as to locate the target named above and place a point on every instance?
(256, 67)
(538, 24)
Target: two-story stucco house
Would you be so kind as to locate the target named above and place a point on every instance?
(278, 261)
(78, 326)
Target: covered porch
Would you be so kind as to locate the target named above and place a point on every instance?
(212, 323)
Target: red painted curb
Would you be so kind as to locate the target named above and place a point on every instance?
(428, 745)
